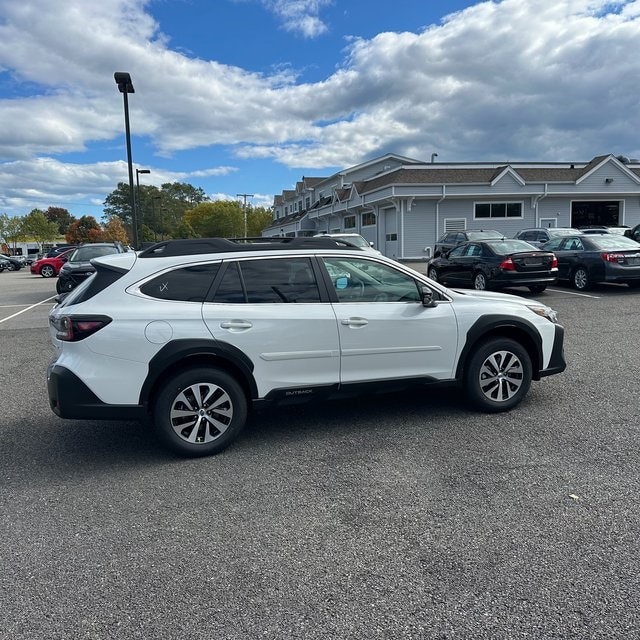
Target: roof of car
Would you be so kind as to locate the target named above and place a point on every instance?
(195, 246)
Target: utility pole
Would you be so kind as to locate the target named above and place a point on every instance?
(244, 208)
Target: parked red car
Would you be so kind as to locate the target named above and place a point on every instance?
(49, 267)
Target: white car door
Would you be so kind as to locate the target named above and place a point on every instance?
(270, 309)
(385, 331)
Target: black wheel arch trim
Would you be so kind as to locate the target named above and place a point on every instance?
(177, 352)
(504, 327)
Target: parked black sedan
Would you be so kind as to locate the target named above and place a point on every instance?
(495, 264)
(607, 257)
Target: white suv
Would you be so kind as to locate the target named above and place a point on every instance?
(193, 333)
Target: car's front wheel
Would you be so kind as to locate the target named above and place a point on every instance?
(199, 412)
(433, 274)
(64, 286)
(498, 375)
(47, 271)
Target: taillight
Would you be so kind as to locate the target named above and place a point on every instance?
(554, 262)
(507, 265)
(75, 328)
(613, 257)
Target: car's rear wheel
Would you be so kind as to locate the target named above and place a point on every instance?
(537, 288)
(498, 375)
(199, 412)
(433, 274)
(480, 281)
(580, 279)
(47, 271)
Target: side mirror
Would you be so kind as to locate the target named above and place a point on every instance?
(427, 297)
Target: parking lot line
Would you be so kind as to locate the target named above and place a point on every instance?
(575, 293)
(37, 304)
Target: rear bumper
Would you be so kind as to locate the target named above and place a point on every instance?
(69, 397)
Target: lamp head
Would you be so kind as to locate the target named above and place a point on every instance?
(123, 80)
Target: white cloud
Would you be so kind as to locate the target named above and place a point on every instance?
(510, 80)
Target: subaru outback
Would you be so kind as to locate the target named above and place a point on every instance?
(193, 334)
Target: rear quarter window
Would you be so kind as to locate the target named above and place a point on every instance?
(188, 284)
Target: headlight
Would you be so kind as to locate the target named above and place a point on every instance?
(545, 312)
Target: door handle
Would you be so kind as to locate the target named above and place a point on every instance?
(354, 322)
(236, 324)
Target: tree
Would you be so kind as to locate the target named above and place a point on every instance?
(160, 210)
(114, 231)
(257, 219)
(61, 217)
(118, 204)
(222, 218)
(35, 225)
(85, 229)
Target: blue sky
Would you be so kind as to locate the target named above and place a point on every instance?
(248, 96)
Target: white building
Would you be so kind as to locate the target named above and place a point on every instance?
(403, 205)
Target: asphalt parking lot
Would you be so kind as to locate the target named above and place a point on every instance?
(397, 516)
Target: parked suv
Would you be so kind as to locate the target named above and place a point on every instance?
(453, 239)
(538, 236)
(78, 265)
(193, 333)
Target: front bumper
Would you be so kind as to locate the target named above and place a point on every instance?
(557, 363)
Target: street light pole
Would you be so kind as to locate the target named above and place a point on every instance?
(244, 208)
(125, 86)
(139, 201)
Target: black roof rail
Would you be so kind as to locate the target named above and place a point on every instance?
(194, 246)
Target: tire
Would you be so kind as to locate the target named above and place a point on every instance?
(11, 267)
(580, 279)
(480, 282)
(537, 288)
(47, 271)
(64, 286)
(182, 412)
(498, 375)
(433, 274)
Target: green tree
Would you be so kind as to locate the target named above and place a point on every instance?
(257, 219)
(160, 210)
(221, 218)
(85, 229)
(61, 217)
(35, 225)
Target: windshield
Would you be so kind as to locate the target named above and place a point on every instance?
(503, 247)
(614, 241)
(356, 241)
(84, 254)
(562, 232)
(485, 235)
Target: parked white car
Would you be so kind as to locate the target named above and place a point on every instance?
(192, 333)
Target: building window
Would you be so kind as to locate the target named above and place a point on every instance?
(391, 237)
(286, 210)
(307, 203)
(350, 222)
(498, 210)
(368, 219)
